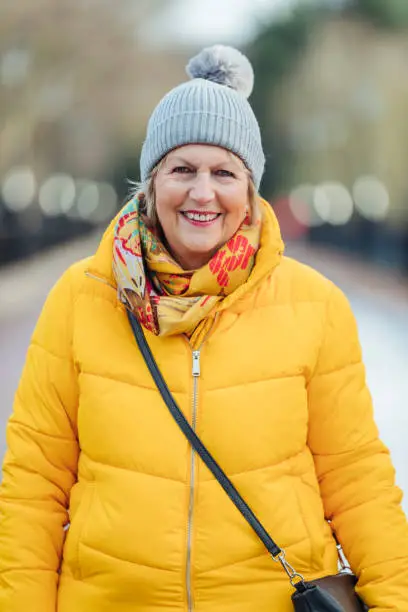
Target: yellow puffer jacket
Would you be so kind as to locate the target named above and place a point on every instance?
(282, 404)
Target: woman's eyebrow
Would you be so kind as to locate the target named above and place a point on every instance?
(228, 162)
(180, 160)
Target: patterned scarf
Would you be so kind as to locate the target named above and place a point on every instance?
(167, 299)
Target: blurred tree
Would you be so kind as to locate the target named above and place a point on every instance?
(386, 13)
(69, 73)
(77, 86)
(331, 104)
(274, 54)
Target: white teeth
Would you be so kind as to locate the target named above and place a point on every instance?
(200, 217)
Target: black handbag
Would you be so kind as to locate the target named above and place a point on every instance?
(329, 594)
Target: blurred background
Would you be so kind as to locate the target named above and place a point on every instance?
(78, 81)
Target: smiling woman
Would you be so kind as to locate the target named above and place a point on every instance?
(233, 168)
(104, 505)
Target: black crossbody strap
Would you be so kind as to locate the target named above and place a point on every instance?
(196, 443)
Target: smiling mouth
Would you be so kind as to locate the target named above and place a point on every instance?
(200, 217)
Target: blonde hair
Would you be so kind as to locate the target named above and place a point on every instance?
(146, 191)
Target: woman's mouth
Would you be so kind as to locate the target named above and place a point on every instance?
(200, 219)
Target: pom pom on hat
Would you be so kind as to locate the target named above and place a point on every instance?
(225, 66)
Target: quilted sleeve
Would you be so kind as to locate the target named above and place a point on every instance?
(354, 469)
(40, 463)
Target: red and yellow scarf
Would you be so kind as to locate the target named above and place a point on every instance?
(167, 299)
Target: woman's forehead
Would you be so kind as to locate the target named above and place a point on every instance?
(198, 154)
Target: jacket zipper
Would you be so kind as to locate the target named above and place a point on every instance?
(196, 374)
(196, 370)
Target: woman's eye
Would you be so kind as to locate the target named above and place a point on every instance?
(181, 170)
(225, 173)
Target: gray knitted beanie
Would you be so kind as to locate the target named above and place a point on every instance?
(211, 108)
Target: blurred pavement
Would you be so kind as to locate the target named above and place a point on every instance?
(379, 299)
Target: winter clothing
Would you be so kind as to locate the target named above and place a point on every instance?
(211, 108)
(281, 402)
(169, 300)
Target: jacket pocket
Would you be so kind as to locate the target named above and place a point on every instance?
(82, 497)
(311, 508)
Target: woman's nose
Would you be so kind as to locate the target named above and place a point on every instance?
(202, 190)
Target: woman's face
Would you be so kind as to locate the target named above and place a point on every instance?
(201, 200)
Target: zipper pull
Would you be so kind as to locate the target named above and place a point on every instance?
(196, 363)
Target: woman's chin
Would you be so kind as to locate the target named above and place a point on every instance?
(202, 249)
(193, 257)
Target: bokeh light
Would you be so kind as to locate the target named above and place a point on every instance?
(302, 205)
(88, 199)
(19, 188)
(107, 204)
(57, 195)
(333, 203)
(371, 198)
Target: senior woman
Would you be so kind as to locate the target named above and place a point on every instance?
(104, 504)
